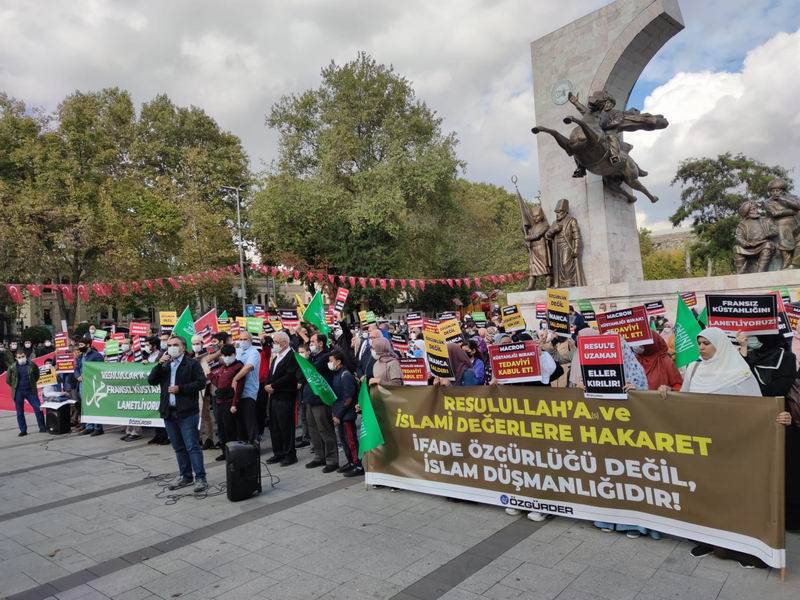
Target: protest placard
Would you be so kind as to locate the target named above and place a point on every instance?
(167, 318)
(47, 376)
(119, 394)
(512, 318)
(541, 310)
(601, 361)
(60, 341)
(558, 311)
(666, 465)
(630, 323)
(65, 363)
(516, 362)
(139, 328)
(689, 298)
(414, 320)
(436, 350)
(451, 331)
(399, 344)
(752, 314)
(655, 308)
(415, 372)
(341, 299)
(289, 318)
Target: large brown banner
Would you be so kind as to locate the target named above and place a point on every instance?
(700, 466)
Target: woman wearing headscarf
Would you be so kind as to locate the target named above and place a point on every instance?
(658, 366)
(635, 378)
(386, 370)
(722, 370)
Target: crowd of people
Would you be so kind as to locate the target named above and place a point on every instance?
(236, 390)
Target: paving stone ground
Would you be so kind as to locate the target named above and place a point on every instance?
(78, 520)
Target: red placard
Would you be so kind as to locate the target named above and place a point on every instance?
(655, 308)
(61, 341)
(689, 298)
(752, 314)
(399, 344)
(793, 314)
(784, 325)
(414, 319)
(289, 318)
(118, 336)
(516, 362)
(631, 323)
(341, 298)
(138, 328)
(541, 311)
(601, 366)
(415, 371)
(65, 363)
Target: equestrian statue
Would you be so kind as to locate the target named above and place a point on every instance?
(596, 143)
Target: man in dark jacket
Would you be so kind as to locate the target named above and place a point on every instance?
(345, 386)
(86, 353)
(281, 385)
(21, 378)
(320, 420)
(181, 379)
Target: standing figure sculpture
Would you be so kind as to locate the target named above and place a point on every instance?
(534, 229)
(597, 146)
(785, 209)
(566, 236)
(753, 239)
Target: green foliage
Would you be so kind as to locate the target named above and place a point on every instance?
(99, 194)
(365, 184)
(712, 191)
(36, 334)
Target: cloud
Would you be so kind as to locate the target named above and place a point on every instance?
(752, 111)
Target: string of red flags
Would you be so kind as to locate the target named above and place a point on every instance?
(85, 291)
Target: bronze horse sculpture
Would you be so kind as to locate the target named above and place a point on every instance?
(596, 146)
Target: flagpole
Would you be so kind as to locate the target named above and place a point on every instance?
(240, 244)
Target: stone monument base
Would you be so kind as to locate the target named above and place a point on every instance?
(626, 294)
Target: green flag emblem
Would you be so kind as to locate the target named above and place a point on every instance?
(184, 327)
(315, 314)
(370, 436)
(686, 331)
(316, 381)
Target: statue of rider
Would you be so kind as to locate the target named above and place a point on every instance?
(601, 106)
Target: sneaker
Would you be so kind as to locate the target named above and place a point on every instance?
(746, 565)
(354, 472)
(22, 434)
(606, 529)
(315, 463)
(513, 511)
(132, 438)
(302, 444)
(124, 437)
(633, 534)
(86, 432)
(701, 550)
(273, 460)
(220, 458)
(208, 445)
(345, 468)
(200, 486)
(289, 460)
(330, 468)
(537, 517)
(97, 432)
(181, 483)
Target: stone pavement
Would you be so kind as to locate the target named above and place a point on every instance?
(79, 520)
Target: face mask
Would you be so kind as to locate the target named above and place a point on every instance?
(228, 360)
(22, 360)
(47, 343)
(753, 343)
(197, 348)
(374, 354)
(174, 351)
(163, 345)
(244, 344)
(82, 348)
(124, 347)
(312, 348)
(333, 366)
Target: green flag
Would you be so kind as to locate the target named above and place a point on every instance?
(316, 381)
(223, 316)
(370, 436)
(184, 327)
(315, 314)
(702, 318)
(686, 332)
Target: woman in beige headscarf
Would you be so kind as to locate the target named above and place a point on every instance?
(387, 368)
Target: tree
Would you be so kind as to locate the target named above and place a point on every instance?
(713, 189)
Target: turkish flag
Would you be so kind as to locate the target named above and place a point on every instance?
(341, 279)
(391, 283)
(362, 281)
(422, 284)
(383, 283)
(83, 292)
(403, 283)
(173, 283)
(477, 282)
(467, 282)
(34, 290)
(352, 281)
(412, 283)
(66, 291)
(15, 293)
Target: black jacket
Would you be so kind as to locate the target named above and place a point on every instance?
(320, 362)
(365, 362)
(190, 380)
(284, 378)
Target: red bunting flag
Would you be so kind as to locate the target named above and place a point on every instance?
(331, 278)
(148, 283)
(15, 293)
(412, 283)
(173, 283)
(352, 281)
(66, 291)
(383, 283)
(477, 282)
(83, 292)
(403, 284)
(362, 281)
(422, 284)
(34, 290)
(467, 282)
(391, 283)
(341, 279)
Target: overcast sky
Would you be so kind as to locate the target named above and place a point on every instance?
(729, 81)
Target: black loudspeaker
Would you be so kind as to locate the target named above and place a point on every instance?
(57, 419)
(242, 470)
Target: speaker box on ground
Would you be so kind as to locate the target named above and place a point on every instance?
(242, 470)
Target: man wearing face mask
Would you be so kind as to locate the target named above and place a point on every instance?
(181, 378)
(21, 378)
(87, 354)
(46, 348)
(318, 414)
(246, 410)
(281, 385)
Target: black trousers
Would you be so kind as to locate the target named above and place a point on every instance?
(227, 424)
(246, 420)
(281, 424)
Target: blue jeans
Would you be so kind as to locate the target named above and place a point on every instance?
(185, 439)
(19, 403)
